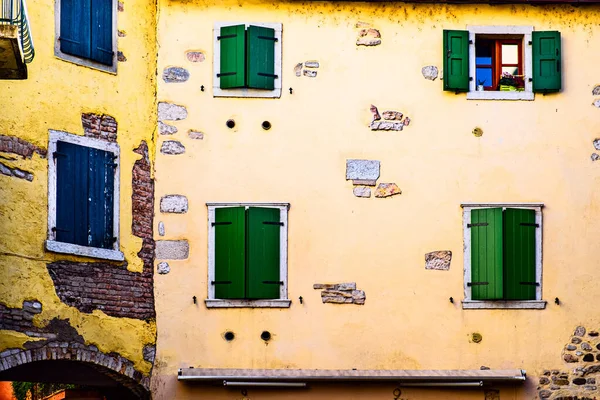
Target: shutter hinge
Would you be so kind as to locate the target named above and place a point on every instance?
(267, 75)
(113, 239)
(470, 42)
(226, 36)
(220, 223)
(530, 283)
(273, 282)
(58, 154)
(529, 224)
(478, 224)
(272, 223)
(220, 282)
(530, 43)
(55, 229)
(477, 283)
(226, 74)
(269, 38)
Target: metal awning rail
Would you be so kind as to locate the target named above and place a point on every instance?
(221, 375)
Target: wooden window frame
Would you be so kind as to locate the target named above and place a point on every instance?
(467, 302)
(497, 63)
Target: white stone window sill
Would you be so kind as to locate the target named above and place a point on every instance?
(493, 95)
(512, 304)
(220, 303)
(93, 252)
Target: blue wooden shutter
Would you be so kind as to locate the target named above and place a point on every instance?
(101, 198)
(102, 32)
(230, 253)
(519, 254)
(232, 40)
(75, 27)
(261, 58)
(486, 254)
(71, 193)
(456, 61)
(546, 51)
(263, 233)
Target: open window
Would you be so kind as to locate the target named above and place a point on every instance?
(502, 62)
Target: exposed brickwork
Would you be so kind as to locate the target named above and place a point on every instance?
(106, 287)
(15, 145)
(99, 126)
(20, 320)
(142, 205)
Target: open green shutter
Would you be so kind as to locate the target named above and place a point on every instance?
(519, 254)
(546, 61)
(261, 58)
(101, 198)
(456, 61)
(102, 32)
(264, 229)
(486, 254)
(75, 27)
(71, 193)
(230, 250)
(232, 40)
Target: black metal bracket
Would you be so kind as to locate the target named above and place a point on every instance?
(272, 223)
(529, 224)
(477, 283)
(226, 74)
(269, 38)
(478, 224)
(273, 282)
(226, 37)
(221, 282)
(268, 75)
(57, 154)
(530, 283)
(220, 223)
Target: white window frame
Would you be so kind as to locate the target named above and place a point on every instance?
(526, 31)
(85, 61)
(246, 92)
(467, 303)
(69, 248)
(283, 301)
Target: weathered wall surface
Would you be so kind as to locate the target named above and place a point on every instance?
(373, 54)
(109, 306)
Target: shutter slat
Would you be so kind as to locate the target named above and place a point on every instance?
(65, 193)
(261, 58)
(100, 204)
(519, 254)
(486, 254)
(263, 253)
(546, 49)
(75, 27)
(456, 61)
(230, 250)
(233, 57)
(101, 32)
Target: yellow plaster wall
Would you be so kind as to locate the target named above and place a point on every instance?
(54, 97)
(536, 151)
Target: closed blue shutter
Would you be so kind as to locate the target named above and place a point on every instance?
(102, 32)
(75, 27)
(100, 198)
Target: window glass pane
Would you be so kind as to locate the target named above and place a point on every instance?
(510, 54)
(484, 76)
(511, 70)
(483, 60)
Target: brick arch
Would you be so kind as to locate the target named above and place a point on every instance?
(112, 365)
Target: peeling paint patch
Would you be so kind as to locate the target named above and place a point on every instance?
(15, 172)
(387, 190)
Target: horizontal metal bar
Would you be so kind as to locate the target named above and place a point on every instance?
(442, 384)
(269, 38)
(267, 75)
(265, 384)
(529, 224)
(273, 282)
(226, 74)
(220, 223)
(272, 223)
(478, 224)
(530, 283)
(220, 282)
(226, 36)
(477, 283)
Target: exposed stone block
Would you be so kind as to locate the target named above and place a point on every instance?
(163, 268)
(586, 346)
(570, 358)
(364, 182)
(362, 191)
(309, 73)
(392, 115)
(171, 112)
(196, 135)
(174, 203)
(362, 169)
(341, 293)
(161, 228)
(375, 112)
(34, 306)
(175, 75)
(596, 103)
(596, 90)
(165, 129)
(579, 331)
(387, 190)
(430, 72)
(121, 33)
(311, 64)
(298, 69)
(438, 260)
(386, 126)
(172, 147)
(149, 353)
(368, 37)
(121, 57)
(172, 249)
(15, 172)
(195, 56)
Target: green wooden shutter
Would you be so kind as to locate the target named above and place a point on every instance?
(261, 58)
(71, 193)
(519, 254)
(546, 61)
(232, 40)
(230, 250)
(456, 61)
(100, 198)
(263, 236)
(102, 32)
(75, 27)
(486, 254)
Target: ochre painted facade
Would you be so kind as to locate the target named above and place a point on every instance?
(530, 152)
(54, 97)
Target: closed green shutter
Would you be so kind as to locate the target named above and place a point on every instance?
(263, 236)
(75, 27)
(519, 254)
(102, 32)
(232, 40)
(486, 254)
(456, 61)
(71, 193)
(546, 61)
(230, 250)
(101, 198)
(261, 58)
